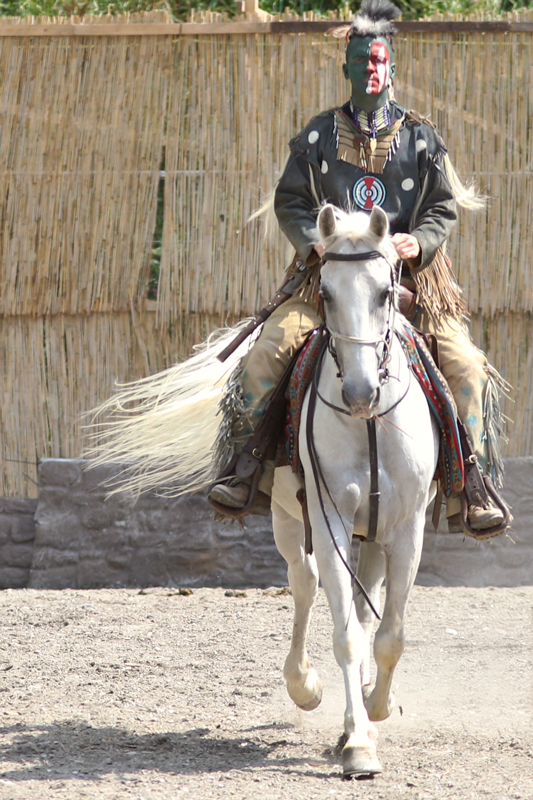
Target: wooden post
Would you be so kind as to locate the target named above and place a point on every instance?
(254, 13)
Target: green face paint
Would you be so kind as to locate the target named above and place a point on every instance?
(369, 67)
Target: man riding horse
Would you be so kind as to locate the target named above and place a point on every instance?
(371, 151)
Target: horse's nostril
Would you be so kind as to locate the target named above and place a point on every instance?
(358, 400)
(345, 397)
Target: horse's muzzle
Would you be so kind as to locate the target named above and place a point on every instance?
(361, 402)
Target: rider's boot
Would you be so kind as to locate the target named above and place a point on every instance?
(466, 370)
(479, 517)
(235, 494)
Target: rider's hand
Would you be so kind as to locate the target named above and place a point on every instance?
(407, 246)
(320, 249)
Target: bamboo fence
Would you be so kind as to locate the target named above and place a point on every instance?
(92, 112)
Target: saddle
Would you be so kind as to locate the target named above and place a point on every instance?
(441, 403)
(277, 434)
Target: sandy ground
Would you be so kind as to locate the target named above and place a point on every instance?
(121, 694)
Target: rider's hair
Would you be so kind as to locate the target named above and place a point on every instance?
(375, 18)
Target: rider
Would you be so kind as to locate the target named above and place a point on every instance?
(373, 152)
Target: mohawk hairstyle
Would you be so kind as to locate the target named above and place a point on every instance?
(374, 18)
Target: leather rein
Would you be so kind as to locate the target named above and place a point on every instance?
(319, 478)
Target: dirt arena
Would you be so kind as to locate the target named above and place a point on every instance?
(157, 694)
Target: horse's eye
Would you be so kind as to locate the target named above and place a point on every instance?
(325, 294)
(385, 295)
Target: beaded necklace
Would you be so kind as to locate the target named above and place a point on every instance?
(371, 122)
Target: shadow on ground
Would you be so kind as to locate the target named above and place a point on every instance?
(75, 750)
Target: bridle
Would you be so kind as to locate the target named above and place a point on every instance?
(385, 338)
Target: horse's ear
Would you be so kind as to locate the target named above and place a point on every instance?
(379, 222)
(326, 221)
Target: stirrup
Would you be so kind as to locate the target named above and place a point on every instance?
(495, 530)
(478, 491)
(251, 507)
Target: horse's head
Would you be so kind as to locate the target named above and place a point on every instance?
(357, 287)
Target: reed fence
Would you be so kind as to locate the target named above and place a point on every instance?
(94, 113)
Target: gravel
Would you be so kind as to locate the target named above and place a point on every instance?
(167, 695)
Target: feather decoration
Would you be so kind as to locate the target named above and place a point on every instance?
(375, 18)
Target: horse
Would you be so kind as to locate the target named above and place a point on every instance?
(364, 384)
(364, 376)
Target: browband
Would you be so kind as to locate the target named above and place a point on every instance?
(368, 256)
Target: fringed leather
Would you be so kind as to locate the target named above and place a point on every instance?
(495, 423)
(231, 407)
(310, 287)
(438, 291)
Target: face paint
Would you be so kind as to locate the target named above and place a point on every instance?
(378, 68)
(369, 69)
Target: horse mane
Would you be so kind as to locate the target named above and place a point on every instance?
(354, 226)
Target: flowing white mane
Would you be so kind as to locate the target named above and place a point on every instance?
(354, 226)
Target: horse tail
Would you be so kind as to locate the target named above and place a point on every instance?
(169, 431)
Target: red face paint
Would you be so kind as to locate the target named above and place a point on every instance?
(378, 68)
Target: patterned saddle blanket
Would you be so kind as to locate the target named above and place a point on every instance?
(450, 468)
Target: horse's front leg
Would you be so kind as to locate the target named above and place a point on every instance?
(371, 572)
(303, 682)
(402, 554)
(359, 756)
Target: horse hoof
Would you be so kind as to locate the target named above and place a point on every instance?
(309, 695)
(360, 763)
(312, 704)
(375, 713)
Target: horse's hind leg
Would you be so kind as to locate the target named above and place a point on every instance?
(303, 683)
(402, 558)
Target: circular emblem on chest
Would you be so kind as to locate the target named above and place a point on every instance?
(369, 192)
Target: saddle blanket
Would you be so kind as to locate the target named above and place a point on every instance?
(450, 469)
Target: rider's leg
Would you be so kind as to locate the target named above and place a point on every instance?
(465, 368)
(284, 332)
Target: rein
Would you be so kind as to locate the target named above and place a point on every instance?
(347, 413)
(319, 479)
(374, 493)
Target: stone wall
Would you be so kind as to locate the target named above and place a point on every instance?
(17, 532)
(83, 540)
(457, 560)
(74, 537)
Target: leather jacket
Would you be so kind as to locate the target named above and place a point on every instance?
(412, 186)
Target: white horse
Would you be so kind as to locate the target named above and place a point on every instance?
(165, 430)
(367, 375)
